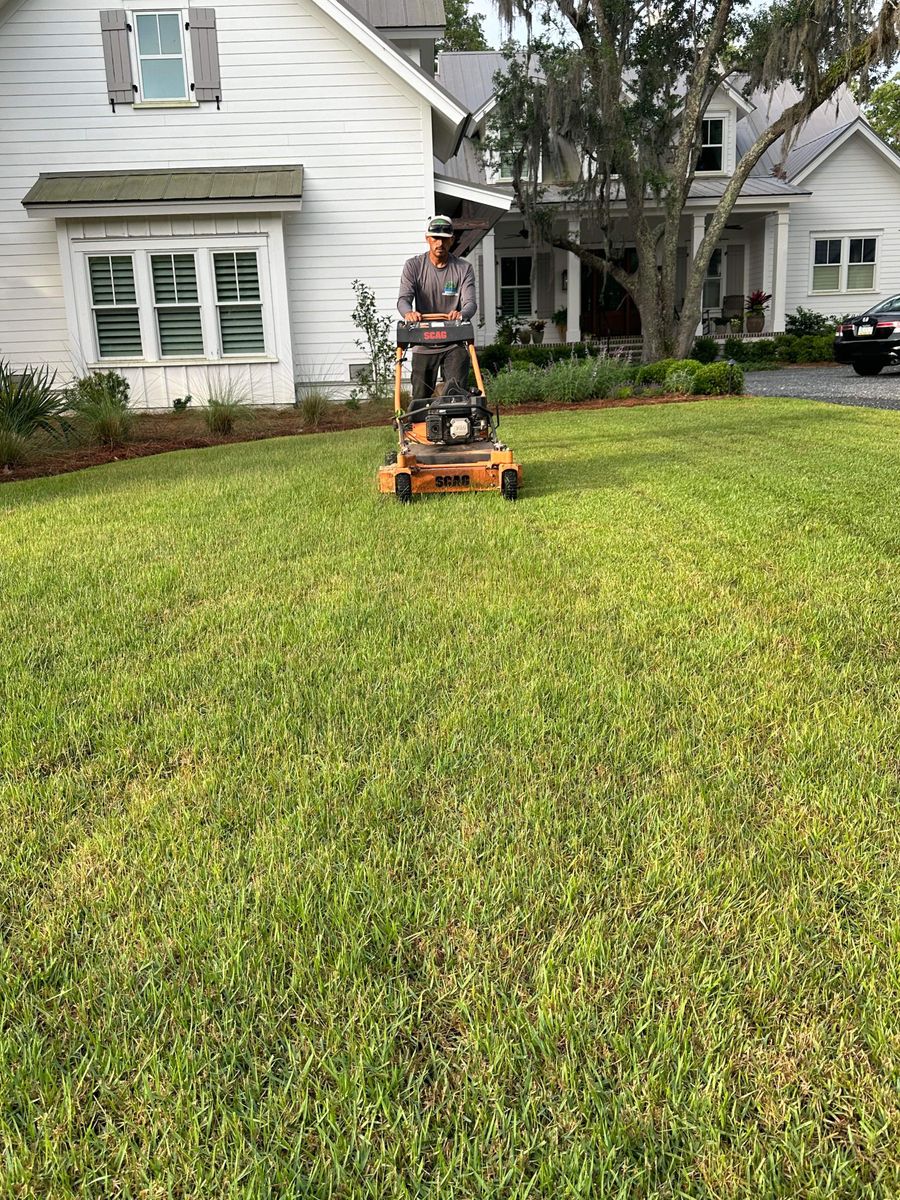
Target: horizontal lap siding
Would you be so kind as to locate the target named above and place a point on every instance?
(295, 89)
(854, 190)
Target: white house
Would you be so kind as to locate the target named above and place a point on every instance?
(187, 194)
(818, 231)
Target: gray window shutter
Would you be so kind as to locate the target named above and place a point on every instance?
(545, 289)
(207, 83)
(117, 56)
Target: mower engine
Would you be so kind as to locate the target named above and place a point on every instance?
(455, 424)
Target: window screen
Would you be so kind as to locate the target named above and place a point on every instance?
(238, 298)
(861, 265)
(827, 265)
(161, 56)
(177, 304)
(116, 317)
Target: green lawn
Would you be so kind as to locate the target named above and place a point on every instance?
(464, 849)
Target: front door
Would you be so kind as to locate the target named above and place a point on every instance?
(606, 308)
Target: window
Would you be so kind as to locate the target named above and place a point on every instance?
(161, 56)
(515, 286)
(240, 312)
(191, 302)
(844, 264)
(175, 294)
(712, 147)
(712, 285)
(117, 318)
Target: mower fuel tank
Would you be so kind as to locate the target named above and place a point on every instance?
(434, 333)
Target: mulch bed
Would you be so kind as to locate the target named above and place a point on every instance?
(158, 433)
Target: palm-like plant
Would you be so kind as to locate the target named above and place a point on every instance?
(29, 404)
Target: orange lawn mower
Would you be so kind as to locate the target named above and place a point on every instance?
(448, 443)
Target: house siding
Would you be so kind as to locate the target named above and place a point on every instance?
(296, 89)
(856, 189)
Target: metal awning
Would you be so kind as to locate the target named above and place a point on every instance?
(226, 189)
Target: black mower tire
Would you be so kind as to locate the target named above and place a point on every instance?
(403, 489)
(390, 458)
(509, 485)
(867, 368)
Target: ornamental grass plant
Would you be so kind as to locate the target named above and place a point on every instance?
(100, 404)
(30, 406)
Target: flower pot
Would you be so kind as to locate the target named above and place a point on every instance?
(537, 336)
(525, 336)
(755, 322)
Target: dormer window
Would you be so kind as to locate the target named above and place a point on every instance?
(712, 149)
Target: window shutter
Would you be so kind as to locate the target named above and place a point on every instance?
(205, 51)
(545, 290)
(116, 55)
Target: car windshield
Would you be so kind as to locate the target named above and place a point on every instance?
(891, 305)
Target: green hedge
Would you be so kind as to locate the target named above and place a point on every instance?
(719, 379)
(784, 347)
(498, 354)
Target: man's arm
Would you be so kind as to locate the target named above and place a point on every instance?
(406, 301)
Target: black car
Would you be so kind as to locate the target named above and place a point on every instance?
(872, 340)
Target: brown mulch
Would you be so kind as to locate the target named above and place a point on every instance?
(158, 433)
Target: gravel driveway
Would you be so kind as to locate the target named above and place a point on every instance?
(838, 384)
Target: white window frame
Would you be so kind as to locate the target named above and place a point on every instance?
(176, 303)
(845, 239)
(187, 58)
(723, 117)
(501, 254)
(709, 278)
(202, 247)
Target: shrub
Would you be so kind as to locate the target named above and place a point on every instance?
(377, 342)
(804, 322)
(29, 404)
(706, 349)
(577, 380)
(815, 348)
(100, 403)
(313, 406)
(718, 379)
(654, 374)
(735, 348)
(680, 382)
(226, 403)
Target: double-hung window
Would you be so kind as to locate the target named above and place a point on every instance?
(515, 286)
(161, 55)
(175, 294)
(238, 298)
(844, 264)
(117, 318)
(712, 284)
(712, 145)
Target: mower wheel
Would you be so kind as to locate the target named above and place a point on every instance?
(403, 488)
(509, 485)
(390, 458)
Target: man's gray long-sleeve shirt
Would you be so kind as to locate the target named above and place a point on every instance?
(426, 288)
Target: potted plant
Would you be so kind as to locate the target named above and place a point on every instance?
(537, 330)
(755, 308)
(560, 320)
(524, 334)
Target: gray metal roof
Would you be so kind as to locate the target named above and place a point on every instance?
(400, 14)
(829, 120)
(469, 75)
(802, 156)
(167, 186)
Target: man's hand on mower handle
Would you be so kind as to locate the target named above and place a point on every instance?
(412, 317)
(456, 315)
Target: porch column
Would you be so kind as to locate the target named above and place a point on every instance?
(768, 282)
(697, 235)
(489, 279)
(779, 291)
(573, 294)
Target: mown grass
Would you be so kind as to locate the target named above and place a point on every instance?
(460, 850)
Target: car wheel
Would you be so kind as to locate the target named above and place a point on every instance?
(867, 368)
